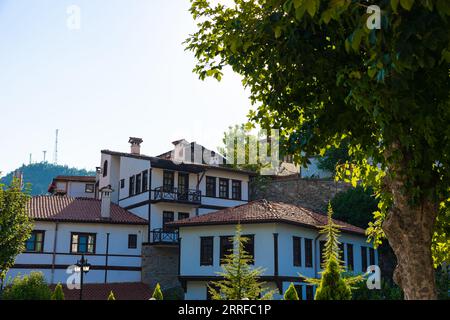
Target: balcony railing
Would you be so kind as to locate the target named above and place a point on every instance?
(178, 195)
(164, 236)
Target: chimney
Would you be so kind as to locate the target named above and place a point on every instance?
(106, 202)
(135, 145)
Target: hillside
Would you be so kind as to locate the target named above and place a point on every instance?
(40, 175)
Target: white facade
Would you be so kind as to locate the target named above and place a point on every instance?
(111, 262)
(196, 276)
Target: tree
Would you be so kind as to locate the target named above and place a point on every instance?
(323, 72)
(291, 293)
(111, 296)
(332, 285)
(240, 279)
(58, 293)
(15, 225)
(157, 293)
(28, 287)
(333, 158)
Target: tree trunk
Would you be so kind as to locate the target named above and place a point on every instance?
(409, 231)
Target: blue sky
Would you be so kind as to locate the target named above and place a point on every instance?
(123, 73)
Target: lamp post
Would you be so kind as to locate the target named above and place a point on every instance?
(83, 267)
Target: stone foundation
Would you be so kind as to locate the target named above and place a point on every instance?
(160, 265)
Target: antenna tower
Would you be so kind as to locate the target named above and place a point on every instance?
(55, 155)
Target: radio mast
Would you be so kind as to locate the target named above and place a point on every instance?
(55, 155)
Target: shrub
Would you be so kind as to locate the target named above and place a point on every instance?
(291, 293)
(28, 287)
(58, 293)
(111, 296)
(157, 294)
(388, 291)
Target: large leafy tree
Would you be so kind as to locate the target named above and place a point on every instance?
(318, 71)
(15, 225)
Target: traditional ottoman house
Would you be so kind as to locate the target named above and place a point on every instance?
(187, 182)
(283, 239)
(73, 186)
(65, 228)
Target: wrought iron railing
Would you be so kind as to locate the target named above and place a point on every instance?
(178, 194)
(164, 236)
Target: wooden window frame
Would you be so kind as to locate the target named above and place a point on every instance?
(206, 261)
(92, 185)
(350, 257)
(236, 195)
(297, 251)
(214, 184)
(122, 183)
(227, 184)
(145, 181)
(168, 176)
(131, 185)
(225, 241)
(138, 184)
(86, 234)
(364, 262)
(132, 241)
(309, 256)
(164, 227)
(34, 232)
(183, 213)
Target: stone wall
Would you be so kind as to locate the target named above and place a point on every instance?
(310, 193)
(160, 265)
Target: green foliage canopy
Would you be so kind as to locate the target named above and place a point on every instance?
(28, 287)
(58, 293)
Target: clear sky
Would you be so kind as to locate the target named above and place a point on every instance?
(123, 73)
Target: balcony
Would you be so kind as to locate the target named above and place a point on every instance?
(191, 196)
(161, 236)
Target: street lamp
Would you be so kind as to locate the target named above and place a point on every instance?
(83, 267)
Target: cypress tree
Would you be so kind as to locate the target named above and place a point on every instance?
(111, 296)
(157, 293)
(291, 293)
(240, 279)
(58, 293)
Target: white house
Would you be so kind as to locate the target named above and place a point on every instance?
(73, 186)
(65, 228)
(283, 239)
(165, 189)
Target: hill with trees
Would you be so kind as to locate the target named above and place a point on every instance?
(40, 175)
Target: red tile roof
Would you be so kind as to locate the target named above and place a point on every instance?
(263, 211)
(100, 291)
(69, 209)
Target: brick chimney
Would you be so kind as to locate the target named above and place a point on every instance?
(106, 202)
(135, 145)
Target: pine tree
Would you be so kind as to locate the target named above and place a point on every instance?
(332, 285)
(291, 293)
(111, 296)
(157, 293)
(240, 279)
(58, 293)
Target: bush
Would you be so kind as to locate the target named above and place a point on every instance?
(388, 291)
(291, 293)
(175, 293)
(28, 287)
(111, 296)
(157, 294)
(58, 294)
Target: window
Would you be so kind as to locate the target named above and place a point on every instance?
(89, 188)
(131, 187)
(226, 247)
(138, 183)
(82, 243)
(321, 249)
(297, 251)
(299, 289)
(122, 183)
(223, 188)
(236, 193)
(206, 251)
(309, 292)
(168, 216)
(168, 180)
(132, 241)
(308, 253)
(183, 182)
(144, 181)
(36, 241)
(350, 263)
(210, 186)
(105, 168)
(183, 215)
(364, 259)
(249, 247)
(372, 256)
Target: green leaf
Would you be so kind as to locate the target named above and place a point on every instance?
(297, 3)
(394, 5)
(277, 32)
(311, 7)
(407, 4)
